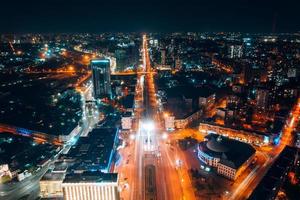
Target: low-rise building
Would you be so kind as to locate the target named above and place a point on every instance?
(4, 170)
(182, 122)
(51, 185)
(229, 157)
(5, 173)
(126, 121)
(244, 135)
(221, 112)
(91, 186)
(94, 152)
(169, 122)
(207, 100)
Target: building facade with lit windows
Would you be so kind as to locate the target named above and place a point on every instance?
(51, 185)
(228, 157)
(126, 121)
(101, 78)
(235, 51)
(91, 186)
(252, 137)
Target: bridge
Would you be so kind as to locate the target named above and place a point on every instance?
(37, 136)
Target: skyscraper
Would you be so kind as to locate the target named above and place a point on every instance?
(101, 77)
(262, 96)
(122, 59)
(163, 57)
(235, 51)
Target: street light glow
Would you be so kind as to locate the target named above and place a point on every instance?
(165, 136)
(132, 136)
(149, 126)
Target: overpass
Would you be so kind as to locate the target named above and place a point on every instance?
(37, 136)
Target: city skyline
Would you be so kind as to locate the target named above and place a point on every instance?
(154, 100)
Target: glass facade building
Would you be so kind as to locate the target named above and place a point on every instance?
(101, 78)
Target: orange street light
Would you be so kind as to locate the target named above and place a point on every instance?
(166, 114)
(71, 68)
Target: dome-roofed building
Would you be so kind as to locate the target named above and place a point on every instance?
(229, 157)
(217, 145)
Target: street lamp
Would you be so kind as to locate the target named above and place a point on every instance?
(166, 114)
(132, 136)
(148, 126)
(164, 136)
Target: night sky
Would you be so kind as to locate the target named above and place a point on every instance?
(152, 15)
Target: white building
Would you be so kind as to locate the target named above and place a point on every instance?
(229, 157)
(126, 121)
(21, 176)
(91, 186)
(51, 185)
(4, 171)
(169, 122)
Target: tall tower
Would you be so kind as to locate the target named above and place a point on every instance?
(235, 51)
(121, 59)
(163, 57)
(262, 97)
(101, 77)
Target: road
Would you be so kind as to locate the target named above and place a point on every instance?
(148, 148)
(16, 190)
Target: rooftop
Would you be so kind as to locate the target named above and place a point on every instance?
(127, 101)
(42, 103)
(50, 176)
(231, 152)
(91, 177)
(95, 151)
(127, 114)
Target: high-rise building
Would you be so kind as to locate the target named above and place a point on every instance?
(163, 57)
(235, 51)
(101, 77)
(178, 64)
(90, 186)
(292, 73)
(262, 96)
(121, 59)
